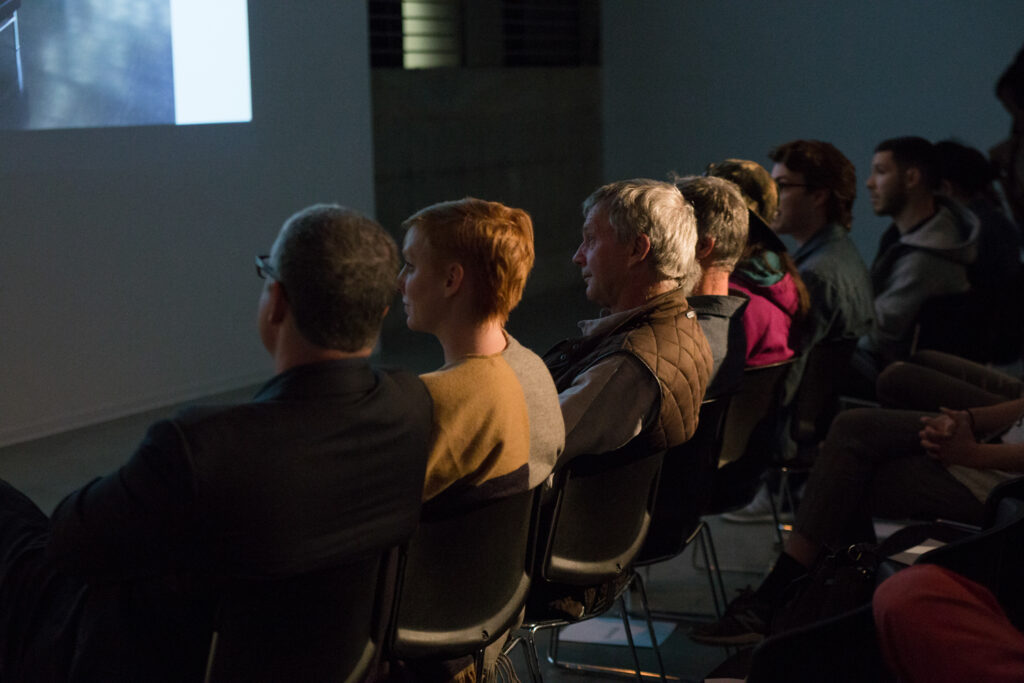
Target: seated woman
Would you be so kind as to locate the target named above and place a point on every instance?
(778, 298)
(765, 273)
(896, 464)
(497, 425)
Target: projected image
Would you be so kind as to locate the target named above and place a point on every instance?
(100, 63)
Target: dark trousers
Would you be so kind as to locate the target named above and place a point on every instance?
(872, 465)
(931, 379)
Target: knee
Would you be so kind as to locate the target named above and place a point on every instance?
(910, 595)
(887, 386)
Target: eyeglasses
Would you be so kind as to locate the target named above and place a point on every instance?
(265, 270)
(782, 185)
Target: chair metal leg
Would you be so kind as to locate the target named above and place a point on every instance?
(532, 656)
(638, 673)
(650, 625)
(629, 639)
(775, 519)
(707, 544)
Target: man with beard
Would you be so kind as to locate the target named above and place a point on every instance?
(923, 254)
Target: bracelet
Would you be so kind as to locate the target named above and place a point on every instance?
(970, 419)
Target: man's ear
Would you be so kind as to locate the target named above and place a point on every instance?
(820, 196)
(278, 307)
(912, 176)
(641, 248)
(454, 275)
(704, 247)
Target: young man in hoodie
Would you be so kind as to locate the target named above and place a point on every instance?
(925, 253)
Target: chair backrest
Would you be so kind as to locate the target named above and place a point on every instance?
(992, 557)
(751, 426)
(684, 487)
(464, 579)
(1011, 488)
(983, 326)
(323, 626)
(758, 397)
(817, 398)
(840, 649)
(599, 515)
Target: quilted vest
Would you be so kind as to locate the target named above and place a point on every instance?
(666, 338)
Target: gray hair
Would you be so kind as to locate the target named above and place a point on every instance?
(339, 271)
(659, 211)
(722, 215)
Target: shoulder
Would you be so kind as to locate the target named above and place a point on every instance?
(463, 380)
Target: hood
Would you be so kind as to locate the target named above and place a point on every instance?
(782, 293)
(952, 232)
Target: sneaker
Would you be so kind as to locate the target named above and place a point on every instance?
(745, 622)
(757, 510)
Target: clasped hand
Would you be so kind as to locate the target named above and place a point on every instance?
(948, 437)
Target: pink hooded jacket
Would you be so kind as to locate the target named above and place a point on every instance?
(768, 318)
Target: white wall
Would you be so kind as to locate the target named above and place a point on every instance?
(126, 255)
(687, 83)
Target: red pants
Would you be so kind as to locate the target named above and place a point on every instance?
(934, 625)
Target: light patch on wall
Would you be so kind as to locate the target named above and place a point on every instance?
(431, 35)
(210, 43)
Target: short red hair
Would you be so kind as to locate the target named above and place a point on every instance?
(492, 242)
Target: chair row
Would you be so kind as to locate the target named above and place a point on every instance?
(457, 587)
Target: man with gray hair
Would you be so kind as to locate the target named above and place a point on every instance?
(722, 224)
(638, 248)
(323, 468)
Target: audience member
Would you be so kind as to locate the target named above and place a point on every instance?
(817, 186)
(326, 464)
(924, 253)
(966, 176)
(722, 219)
(765, 273)
(466, 264)
(639, 241)
(935, 626)
(896, 464)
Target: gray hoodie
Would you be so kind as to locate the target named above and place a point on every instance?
(931, 260)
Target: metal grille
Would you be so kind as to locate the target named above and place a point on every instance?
(415, 34)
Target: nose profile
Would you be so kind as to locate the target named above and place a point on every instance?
(577, 258)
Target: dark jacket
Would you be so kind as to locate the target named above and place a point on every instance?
(931, 260)
(325, 465)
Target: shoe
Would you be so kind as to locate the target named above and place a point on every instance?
(757, 510)
(745, 622)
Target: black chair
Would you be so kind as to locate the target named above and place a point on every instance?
(684, 493)
(463, 581)
(323, 626)
(9, 18)
(753, 419)
(982, 326)
(593, 523)
(840, 649)
(993, 558)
